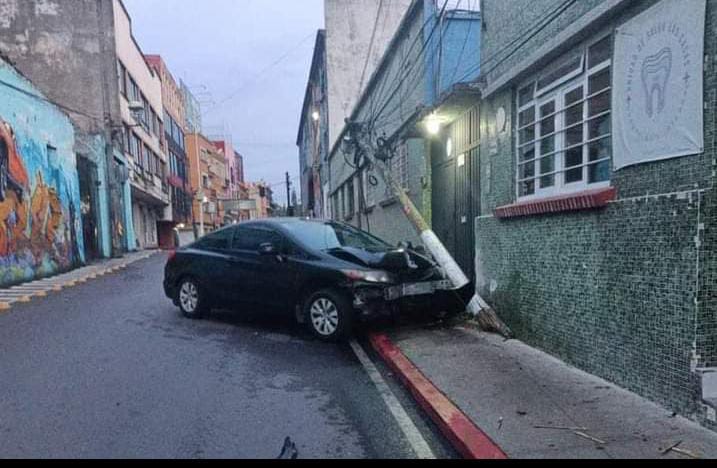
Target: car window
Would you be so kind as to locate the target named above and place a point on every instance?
(219, 240)
(249, 238)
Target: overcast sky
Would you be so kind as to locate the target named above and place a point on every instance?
(248, 62)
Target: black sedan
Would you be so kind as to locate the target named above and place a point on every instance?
(329, 274)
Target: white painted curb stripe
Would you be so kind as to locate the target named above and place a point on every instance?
(413, 435)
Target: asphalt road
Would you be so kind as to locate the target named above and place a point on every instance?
(110, 369)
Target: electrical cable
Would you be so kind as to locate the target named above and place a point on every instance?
(404, 60)
(532, 32)
(420, 53)
(50, 101)
(257, 75)
(370, 47)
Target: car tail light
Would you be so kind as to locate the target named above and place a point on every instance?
(172, 255)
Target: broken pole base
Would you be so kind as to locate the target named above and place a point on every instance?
(487, 318)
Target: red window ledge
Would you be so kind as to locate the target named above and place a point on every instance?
(589, 199)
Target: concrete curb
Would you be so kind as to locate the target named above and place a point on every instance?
(467, 438)
(24, 293)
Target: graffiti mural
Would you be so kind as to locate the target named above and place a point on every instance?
(38, 214)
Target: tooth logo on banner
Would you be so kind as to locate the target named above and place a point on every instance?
(659, 67)
(658, 84)
(656, 70)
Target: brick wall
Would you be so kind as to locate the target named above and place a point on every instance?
(626, 292)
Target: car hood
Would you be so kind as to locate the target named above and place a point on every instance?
(407, 264)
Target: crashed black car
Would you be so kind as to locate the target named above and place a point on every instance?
(329, 274)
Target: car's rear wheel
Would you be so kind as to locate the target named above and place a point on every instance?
(191, 299)
(329, 315)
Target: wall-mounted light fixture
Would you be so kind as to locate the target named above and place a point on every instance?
(315, 116)
(433, 124)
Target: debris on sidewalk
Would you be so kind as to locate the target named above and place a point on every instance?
(562, 428)
(548, 401)
(585, 435)
(675, 448)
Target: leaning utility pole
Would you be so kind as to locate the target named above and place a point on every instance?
(478, 307)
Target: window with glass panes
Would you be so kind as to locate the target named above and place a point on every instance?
(565, 125)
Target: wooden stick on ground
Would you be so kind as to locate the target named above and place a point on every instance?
(562, 428)
(589, 437)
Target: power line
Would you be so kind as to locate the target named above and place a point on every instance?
(404, 61)
(44, 99)
(465, 43)
(370, 47)
(420, 54)
(266, 69)
(533, 31)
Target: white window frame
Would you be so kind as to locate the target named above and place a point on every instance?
(558, 93)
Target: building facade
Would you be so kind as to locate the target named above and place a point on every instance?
(69, 53)
(193, 110)
(40, 202)
(422, 62)
(179, 214)
(140, 88)
(208, 177)
(313, 138)
(357, 34)
(596, 234)
(262, 197)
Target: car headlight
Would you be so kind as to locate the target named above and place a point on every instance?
(369, 276)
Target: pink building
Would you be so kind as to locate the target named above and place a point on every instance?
(227, 149)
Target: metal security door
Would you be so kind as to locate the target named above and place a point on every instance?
(456, 195)
(444, 203)
(464, 244)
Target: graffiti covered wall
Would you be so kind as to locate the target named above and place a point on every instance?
(40, 225)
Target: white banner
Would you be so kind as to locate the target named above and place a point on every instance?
(658, 84)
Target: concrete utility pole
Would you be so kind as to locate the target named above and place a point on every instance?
(200, 187)
(478, 307)
(289, 208)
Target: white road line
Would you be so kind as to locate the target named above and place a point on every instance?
(418, 443)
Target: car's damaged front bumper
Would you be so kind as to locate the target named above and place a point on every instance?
(394, 293)
(372, 300)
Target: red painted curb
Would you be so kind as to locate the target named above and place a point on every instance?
(466, 437)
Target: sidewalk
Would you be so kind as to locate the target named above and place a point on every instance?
(508, 388)
(25, 292)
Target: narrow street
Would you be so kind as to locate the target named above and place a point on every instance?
(127, 376)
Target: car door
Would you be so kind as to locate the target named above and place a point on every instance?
(261, 279)
(211, 264)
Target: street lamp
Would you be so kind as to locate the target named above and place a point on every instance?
(316, 116)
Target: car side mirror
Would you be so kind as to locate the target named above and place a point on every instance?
(268, 249)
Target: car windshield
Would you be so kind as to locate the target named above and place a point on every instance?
(329, 236)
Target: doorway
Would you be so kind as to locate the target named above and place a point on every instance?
(89, 187)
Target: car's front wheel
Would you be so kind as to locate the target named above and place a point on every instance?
(329, 315)
(191, 299)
